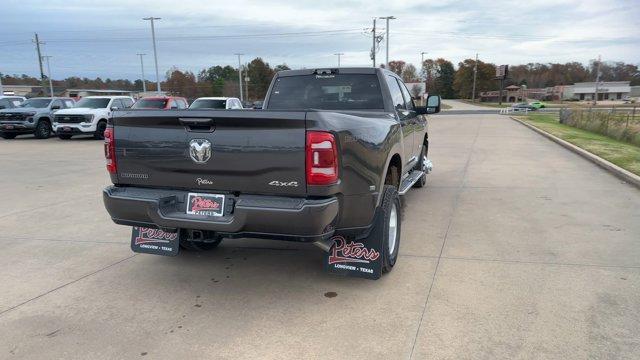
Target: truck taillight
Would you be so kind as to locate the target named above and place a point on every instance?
(322, 158)
(110, 150)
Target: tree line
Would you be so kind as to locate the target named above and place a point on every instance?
(440, 75)
(213, 81)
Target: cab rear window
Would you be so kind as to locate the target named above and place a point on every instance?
(150, 104)
(327, 92)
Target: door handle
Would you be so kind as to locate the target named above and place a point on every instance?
(195, 121)
(198, 124)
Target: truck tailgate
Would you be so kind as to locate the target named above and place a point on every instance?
(250, 151)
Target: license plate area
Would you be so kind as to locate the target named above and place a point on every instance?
(205, 204)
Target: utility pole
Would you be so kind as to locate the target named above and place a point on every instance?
(339, 54)
(240, 76)
(475, 75)
(38, 43)
(144, 85)
(387, 40)
(426, 75)
(595, 99)
(246, 87)
(47, 57)
(155, 53)
(1, 88)
(373, 46)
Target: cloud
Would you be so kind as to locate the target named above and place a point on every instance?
(102, 38)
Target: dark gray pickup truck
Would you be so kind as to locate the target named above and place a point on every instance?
(330, 154)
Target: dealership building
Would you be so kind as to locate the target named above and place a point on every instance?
(607, 90)
(586, 91)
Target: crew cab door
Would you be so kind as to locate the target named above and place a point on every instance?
(418, 122)
(406, 118)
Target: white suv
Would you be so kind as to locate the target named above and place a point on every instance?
(89, 116)
(216, 103)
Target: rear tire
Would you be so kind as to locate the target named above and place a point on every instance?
(8, 136)
(100, 128)
(64, 137)
(389, 221)
(422, 167)
(43, 130)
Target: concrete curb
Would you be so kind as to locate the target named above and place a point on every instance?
(616, 170)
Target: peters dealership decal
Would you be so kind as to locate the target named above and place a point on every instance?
(154, 241)
(205, 204)
(354, 258)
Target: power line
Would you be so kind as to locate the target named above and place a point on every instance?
(201, 37)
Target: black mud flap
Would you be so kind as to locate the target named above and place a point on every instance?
(154, 241)
(357, 258)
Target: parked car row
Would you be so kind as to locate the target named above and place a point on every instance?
(64, 117)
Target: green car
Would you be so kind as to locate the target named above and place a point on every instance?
(538, 104)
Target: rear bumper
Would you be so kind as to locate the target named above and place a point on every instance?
(294, 219)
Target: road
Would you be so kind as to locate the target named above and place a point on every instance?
(461, 105)
(463, 108)
(517, 248)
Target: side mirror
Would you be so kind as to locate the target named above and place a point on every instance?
(114, 108)
(433, 104)
(432, 107)
(55, 107)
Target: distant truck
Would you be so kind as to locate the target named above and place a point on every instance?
(213, 103)
(89, 116)
(34, 116)
(10, 102)
(161, 102)
(330, 154)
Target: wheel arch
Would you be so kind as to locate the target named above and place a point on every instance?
(394, 159)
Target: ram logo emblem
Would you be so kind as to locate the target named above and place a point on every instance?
(200, 150)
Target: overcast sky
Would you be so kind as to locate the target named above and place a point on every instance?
(103, 39)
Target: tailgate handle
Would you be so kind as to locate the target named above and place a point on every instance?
(198, 124)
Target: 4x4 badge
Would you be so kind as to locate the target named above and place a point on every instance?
(200, 150)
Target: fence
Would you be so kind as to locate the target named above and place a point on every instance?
(510, 110)
(622, 123)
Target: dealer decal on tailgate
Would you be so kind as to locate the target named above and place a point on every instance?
(154, 241)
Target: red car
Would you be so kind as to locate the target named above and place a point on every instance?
(161, 102)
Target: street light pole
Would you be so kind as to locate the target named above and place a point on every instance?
(426, 76)
(155, 52)
(373, 47)
(595, 98)
(475, 74)
(47, 57)
(144, 85)
(240, 76)
(339, 54)
(387, 40)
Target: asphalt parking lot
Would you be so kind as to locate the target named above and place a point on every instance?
(517, 248)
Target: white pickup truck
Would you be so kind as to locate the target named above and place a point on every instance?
(89, 116)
